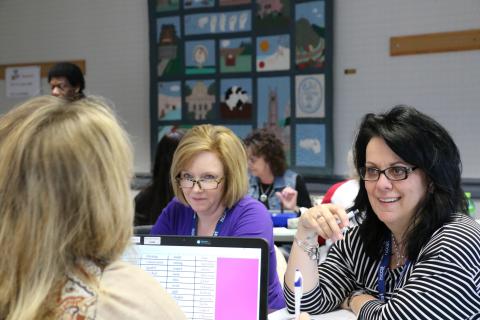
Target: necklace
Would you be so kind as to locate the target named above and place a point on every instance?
(265, 193)
(398, 252)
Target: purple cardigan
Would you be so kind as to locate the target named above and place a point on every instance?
(247, 218)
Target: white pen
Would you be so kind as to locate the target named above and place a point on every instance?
(298, 284)
(350, 216)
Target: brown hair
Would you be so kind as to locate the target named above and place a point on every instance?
(264, 143)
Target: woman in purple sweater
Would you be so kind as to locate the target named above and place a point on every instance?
(210, 182)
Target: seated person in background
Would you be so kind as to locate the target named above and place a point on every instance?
(66, 217)
(209, 178)
(66, 81)
(277, 187)
(416, 253)
(150, 202)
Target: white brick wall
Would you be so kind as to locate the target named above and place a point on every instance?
(112, 36)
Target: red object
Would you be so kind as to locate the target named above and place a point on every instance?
(321, 241)
(327, 198)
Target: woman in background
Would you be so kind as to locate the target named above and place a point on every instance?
(66, 217)
(209, 177)
(277, 187)
(150, 202)
(415, 253)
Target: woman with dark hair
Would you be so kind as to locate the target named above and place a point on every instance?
(150, 202)
(416, 253)
(277, 187)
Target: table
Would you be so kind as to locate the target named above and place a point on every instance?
(339, 314)
(282, 234)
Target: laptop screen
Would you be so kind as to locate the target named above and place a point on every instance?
(209, 277)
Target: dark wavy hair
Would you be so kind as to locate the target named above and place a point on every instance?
(70, 71)
(421, 141)
(156, 196)
(264, 143)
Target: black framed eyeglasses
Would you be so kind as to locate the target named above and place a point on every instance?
(203, 183)
(395, 173)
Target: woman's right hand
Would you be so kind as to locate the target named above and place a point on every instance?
(326, 220)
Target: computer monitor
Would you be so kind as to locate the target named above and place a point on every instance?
(209, 277)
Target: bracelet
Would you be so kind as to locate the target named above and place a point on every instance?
(312, 250)
(354, 294)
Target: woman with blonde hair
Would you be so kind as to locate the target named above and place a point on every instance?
(66, 216)
(210, 182)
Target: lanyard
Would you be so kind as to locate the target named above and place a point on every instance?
(387, 253)
(218, 227)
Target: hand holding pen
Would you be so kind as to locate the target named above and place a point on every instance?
(326, 220)
(298, 286)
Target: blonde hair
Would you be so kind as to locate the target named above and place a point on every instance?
(229, 149)
(64, 195)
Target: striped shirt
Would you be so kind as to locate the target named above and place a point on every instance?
(443, 283)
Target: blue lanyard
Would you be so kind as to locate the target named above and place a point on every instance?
(218, 227)
(387, 253)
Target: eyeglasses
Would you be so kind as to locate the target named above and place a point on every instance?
(393, 173)
(203, 183)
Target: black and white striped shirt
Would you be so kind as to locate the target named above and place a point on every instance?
(443, 283)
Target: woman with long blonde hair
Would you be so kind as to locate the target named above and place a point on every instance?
(66, 216)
